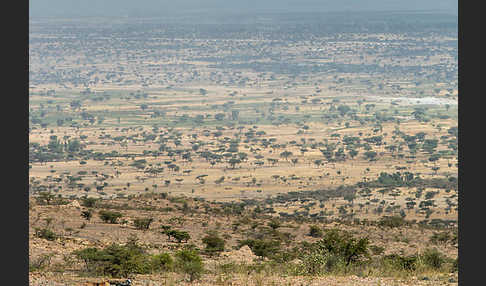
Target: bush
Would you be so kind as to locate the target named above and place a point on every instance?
(319, 262)
(274, 224)
(88, 202)
(45, 234)
(262, 248)
(162, 262)
(455, 265)
(87, 214)
(178, 235)
(392, 221)
(214, 243)
(377, 250)
(143, 223)
(40, 263)
(342, 244)
(441, 237)
(284, 256)
(45, 198)
(110, 216)
(189, 262)
(313, 263)
(408, 263)
(315, 231)
(433, 258)
(454, 238)
(115, 260)
(123, 260)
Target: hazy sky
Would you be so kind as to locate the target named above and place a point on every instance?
(69, 8)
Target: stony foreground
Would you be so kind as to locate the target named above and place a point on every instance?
(36, 279)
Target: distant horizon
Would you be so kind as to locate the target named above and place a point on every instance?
(439, 12)
(163, 8)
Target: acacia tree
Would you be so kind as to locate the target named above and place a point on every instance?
(214, 243)
(233, 162)
(181, 236)
(370, 155)
(75, 104)
(243, 156)
(219, 116)
(272, 161)
(153, 171)
(286, 154)
(327, 153)
(353, 153)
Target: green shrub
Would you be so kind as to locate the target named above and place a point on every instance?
(40, 263)
(45, 198)
(319, 262)
(262, 248)
(315, 231)
(274, 224)
(408, 263)
(142, 223)
(377, 250)
(189, 262)
(313, 263)
(45, 233)
(116, 260)
(455, 265)
(214, 243)
(441, 237)
(454, 238)
(178, 235)
(88, 202)
(161, 262)
(392, 221)
(110, 216)
(87, 214)
(433, 258)
(342, 244)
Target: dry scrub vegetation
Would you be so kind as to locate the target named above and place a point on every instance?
(228, 243)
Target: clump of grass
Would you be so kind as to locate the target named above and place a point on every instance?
(40, 263)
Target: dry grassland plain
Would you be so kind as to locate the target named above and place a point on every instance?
(221, 127)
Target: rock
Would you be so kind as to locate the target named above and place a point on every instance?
(242, 255)
(296, 261)
(74, 204)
